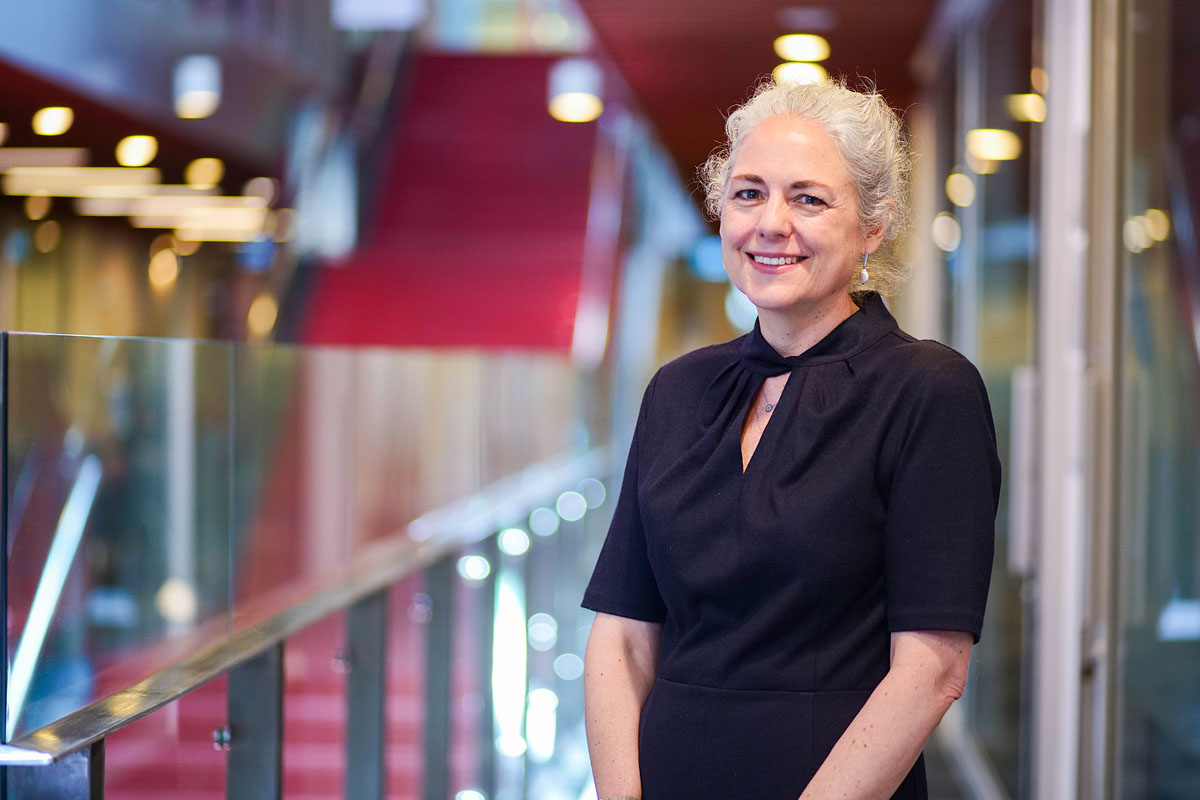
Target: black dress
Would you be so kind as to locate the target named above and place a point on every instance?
(868, 507)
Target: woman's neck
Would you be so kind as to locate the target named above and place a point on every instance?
(791, 332)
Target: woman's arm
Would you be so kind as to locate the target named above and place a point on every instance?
(928, 672)
(622, 656)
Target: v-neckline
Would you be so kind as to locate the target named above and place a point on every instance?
(747, 462)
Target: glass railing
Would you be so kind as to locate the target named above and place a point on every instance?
(164, 496)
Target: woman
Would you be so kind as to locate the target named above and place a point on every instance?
(799, 559)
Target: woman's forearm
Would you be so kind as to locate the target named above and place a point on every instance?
(619, 670)
(880, 746)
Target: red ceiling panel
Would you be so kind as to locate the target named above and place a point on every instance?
(688, 61)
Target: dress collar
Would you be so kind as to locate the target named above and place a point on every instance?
(854, 334)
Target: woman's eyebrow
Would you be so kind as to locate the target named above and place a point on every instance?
(809, 184)
(801, 184)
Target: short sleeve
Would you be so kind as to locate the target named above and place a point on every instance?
(941, 503)
(623, 583)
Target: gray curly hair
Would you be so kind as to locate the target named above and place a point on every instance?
(870, 138)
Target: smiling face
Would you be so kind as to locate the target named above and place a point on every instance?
(790, 233)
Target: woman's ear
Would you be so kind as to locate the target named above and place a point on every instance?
(875, 236)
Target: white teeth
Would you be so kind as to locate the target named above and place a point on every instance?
(776, 262)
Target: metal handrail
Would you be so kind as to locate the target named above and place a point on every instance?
(380, 564)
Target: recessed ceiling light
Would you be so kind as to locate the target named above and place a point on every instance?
(1026, 107)
(204, 173)
(802, 47)
(993, 144)
(37, 206)
(799, 72)
(197, 86)
(960, 189)
(574, 90)
(575, 107)
(261, 187)
(136, 151)
(53, 121)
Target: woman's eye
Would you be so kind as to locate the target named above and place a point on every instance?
(748, 194)
(809, 200)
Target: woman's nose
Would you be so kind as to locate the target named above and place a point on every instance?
(774, 219)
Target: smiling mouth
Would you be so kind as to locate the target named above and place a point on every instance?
(769, 261)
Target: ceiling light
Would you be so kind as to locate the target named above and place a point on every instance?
(176, 601)
(136, 151)
(161, 242)
(3, 132)
(197, 86)
(1158, 224)
(216, 235)
(981, 166)
(53, 121)
(575, 107)
(993, 144)
(550, 29)
(164, 268)
(204, 173)
(474, 568)
(1135, 235)
(1026, 107)
(1039, 80)
(802, 47)
(574, 90)
(80, 181)
(166, 200)
(263, 188)
(201, 218)
(799, 72)
(119, 204)
(37, 206)
(46, 236)
(960, 189)
(947, 234)
(42, 157)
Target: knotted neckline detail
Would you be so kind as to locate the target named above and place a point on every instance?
(854, 334)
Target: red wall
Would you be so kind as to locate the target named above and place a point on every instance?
(478, 236)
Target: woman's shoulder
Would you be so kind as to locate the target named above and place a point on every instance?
(928, 369)
(907, 354)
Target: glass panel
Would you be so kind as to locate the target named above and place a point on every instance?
(170, 753)
(162, 494)
(1158, 580)
(391, 389)
(1006, 282)
(117, 514)
(291, 475)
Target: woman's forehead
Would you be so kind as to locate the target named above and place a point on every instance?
(789, 148)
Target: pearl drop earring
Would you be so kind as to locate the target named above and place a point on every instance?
(863, 275)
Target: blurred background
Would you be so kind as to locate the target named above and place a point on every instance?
(327, 322)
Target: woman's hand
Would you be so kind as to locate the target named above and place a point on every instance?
(622, 657)
(928, 673)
